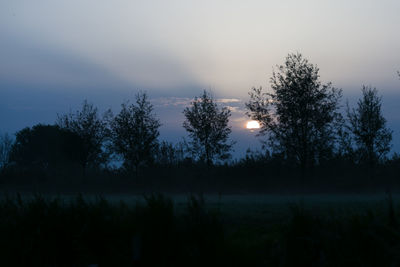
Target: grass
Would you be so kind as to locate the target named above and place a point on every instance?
(195, 230)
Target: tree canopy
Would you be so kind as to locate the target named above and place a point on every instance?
(92, 129)
(46, 146)
(5, 149)
(370, 136)
(208, 129)
(135, 131)
(299, 115)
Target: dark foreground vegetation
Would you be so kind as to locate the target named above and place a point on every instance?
(245, 177)
(39, 231)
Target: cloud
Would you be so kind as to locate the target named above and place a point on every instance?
(42, 65)
(237, 110)
(185, 101)
(171, 101)
(228, 100)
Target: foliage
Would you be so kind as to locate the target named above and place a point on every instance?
(44, 231)
(208, 129)
(135, 132)
(93, 130)
(45, 146)
(299, 117)
(367, 127)
(169, 154)
(310, 239)
(39, 231)
(5, 149)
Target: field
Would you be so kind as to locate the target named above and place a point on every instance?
(212, 230)
(260, 207)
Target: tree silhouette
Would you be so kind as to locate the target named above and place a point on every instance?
(208, 129)
(367, 128)
(169, 154)
(299, 116)
(93, 130)
(5, 148)
(45, 147)
(135, 133)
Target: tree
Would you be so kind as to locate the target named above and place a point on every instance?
(169, 154)
(135, 132)
(45, 147)
(367, 128)
(5, 148)
(299, 116)
(208, 129)
(93, 130)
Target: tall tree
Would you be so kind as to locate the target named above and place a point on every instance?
(208, 129)
(135, 132)
(299, 116)
(367, 128)
(93, 130)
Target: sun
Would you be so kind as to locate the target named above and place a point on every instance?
(253, 125)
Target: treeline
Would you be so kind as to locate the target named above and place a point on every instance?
(303, 130)
(127, 141)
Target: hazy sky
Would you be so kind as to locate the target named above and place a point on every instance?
(54, 54)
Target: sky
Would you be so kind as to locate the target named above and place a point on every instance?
(54, 54)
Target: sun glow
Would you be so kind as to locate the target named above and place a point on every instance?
(253, 125)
